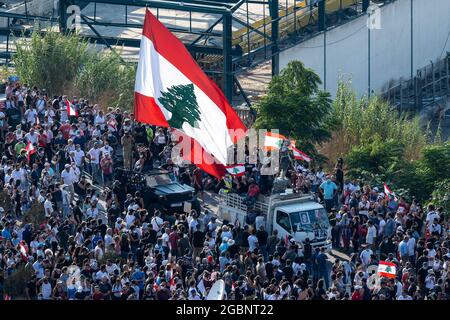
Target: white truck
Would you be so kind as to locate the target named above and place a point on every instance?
(297, 216)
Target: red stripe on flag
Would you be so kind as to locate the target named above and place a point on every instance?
(276, 135)
(386, 263)
(146, 110)
(208, 163)
(387, 275)
(171, 48)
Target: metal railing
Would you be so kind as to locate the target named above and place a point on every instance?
(237, 202)
(430, 86)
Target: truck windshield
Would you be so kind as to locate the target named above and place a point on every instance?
(157, 180)
(310, 220)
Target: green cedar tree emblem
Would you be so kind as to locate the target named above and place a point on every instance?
(279, 143)
(181, 101)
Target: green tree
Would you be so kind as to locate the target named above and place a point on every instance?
(360, 121)
(106, 78)
(297, 107)
(66, 64)
(181, 102)
(50, 60)
(441, 195)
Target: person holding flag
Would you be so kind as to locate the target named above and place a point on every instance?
(72, 111)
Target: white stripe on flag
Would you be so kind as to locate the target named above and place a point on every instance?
(212, 133)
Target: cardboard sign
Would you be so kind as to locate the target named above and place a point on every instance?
(187, 207)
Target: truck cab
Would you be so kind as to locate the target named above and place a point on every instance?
(293, 215)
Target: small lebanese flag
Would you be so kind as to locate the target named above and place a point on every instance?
(30, 150)
(23, 250)
(71, 110)
(237, 170)
(273, 141)
(388, 192)
(172, 91)
(387, 269)
(299, 155)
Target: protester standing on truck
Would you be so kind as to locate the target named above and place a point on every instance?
(329, 191)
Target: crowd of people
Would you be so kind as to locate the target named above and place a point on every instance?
(96, 241)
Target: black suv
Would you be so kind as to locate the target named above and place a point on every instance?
(158, 190)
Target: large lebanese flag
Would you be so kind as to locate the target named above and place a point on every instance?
(172, 91)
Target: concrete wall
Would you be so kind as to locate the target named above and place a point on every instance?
(347, 46)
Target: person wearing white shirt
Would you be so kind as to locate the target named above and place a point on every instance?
(365, 256)
(101, 274)
(31, 115)
(371, 234)
(157, 223)
(108, 238)
(66, 200)
(193, 225)
(46, 289)
(94, 156)
(129, 219)
(38, 268)
(252, 241)
(48, 206)
(364, 206)
(79, 156)
(68, 178)
(100, 120)
(76, 172)
(107, 149)
(431, 215)
(92, 211)
(404, 296)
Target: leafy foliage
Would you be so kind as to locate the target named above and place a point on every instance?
(50, 60)
(104, 77)
(362, 121)
(297, 107)
(441, 195)
(64, 63)
(380, 145)
(16, 283)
